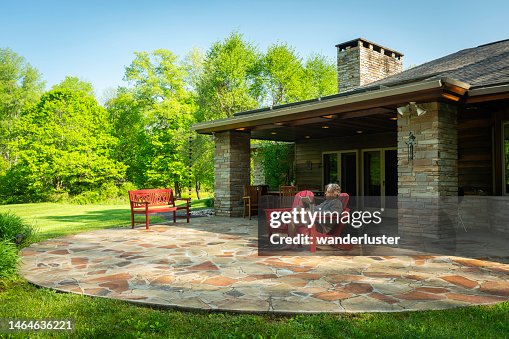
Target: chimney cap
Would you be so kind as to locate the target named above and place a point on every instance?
(355, 43)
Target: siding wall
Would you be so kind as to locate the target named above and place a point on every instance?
(475, 154)
(311, 150)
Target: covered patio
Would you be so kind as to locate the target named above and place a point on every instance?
(436, 130)
(213, 264)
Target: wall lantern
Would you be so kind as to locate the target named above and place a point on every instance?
(412, 107)
(410, 145)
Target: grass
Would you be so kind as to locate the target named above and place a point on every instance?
(57, 219)
(98, 318)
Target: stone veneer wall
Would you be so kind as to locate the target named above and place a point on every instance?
(359, 66)
(231, 171)
(432, 174)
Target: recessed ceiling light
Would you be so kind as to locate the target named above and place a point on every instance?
(394, 118)
(325, 126)
(273, 133)
(278, 123)
(330, 116)
(358, 132)
(307, 137)
(240, 129)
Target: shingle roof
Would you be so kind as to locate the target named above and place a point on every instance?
(478, 66)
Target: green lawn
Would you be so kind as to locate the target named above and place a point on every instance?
(97, 317)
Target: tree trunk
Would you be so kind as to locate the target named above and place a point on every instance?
(178, 191)
(198, 189)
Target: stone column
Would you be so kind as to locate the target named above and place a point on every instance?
(432, 174)
(231, 171)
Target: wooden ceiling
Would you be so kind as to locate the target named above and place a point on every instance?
(379, 120)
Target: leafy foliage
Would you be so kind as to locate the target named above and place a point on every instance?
(152, 118)
(20, 86)
(16, 230)
(282, 75)
(75, 84)
(14, 234)
(63, 146)
(273, 156)
(229, 82)
(320, 76)
(8, 259)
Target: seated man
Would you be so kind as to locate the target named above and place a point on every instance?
(330, 204)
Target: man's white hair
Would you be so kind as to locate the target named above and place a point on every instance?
(333, 188)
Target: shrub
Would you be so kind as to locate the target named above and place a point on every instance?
(107, 193)
(88, 197)
(209, 202)
(8, 259)
(124, 189)
(15, 230)
(58, 197)
(276, 160)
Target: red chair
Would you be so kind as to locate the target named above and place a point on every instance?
(335, 232)
(296, 203)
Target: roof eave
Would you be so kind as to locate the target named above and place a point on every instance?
(274, 115)
(488, 93)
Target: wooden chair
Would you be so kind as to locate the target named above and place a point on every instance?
(286, 194)
(251, 198)
(335, 232)
(296, 203)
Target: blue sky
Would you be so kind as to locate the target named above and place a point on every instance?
(95, 40)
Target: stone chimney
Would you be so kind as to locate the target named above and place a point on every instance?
(361, 62)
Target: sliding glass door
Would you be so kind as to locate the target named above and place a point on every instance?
(380, 177)
(341, 168)
(374, 171)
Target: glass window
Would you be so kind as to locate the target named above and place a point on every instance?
(330, 168)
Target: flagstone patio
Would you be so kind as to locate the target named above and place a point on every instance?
(213, 264)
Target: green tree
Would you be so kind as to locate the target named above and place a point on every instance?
(152, 118)
(228, 83)
(202, 146)
(320, 77)
(63, 143)
(282, 74)
(274, 158)
(128, 121)
(202, 161)
(75, 84)
(156, 76)
(20, 86)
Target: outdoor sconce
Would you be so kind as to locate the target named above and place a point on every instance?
(410, 145)
(411, 108)
(309, 165)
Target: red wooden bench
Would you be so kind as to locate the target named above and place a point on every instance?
(147, 201)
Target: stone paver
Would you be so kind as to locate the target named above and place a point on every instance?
(213, 264)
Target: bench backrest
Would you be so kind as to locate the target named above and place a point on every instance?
(154, 197)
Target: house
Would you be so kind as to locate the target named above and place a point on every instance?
(420, 133)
